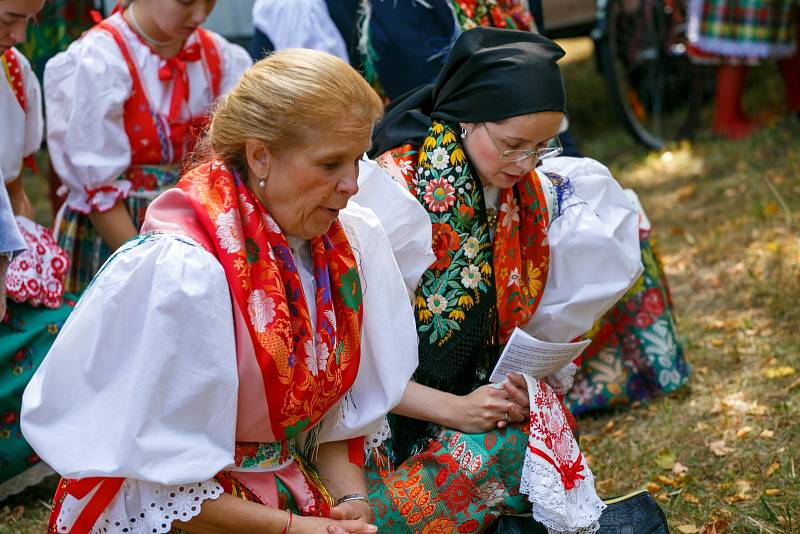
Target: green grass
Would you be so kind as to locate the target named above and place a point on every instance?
(725, 217)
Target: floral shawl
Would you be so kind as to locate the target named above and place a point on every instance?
(478, 290)
(306, 368)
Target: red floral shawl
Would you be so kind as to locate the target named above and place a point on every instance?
(306, 368)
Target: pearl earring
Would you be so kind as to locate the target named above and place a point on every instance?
(464, 133)
(262, 183)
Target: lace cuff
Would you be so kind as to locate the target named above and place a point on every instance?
(377, 438)
(100, 199)
(143, 507)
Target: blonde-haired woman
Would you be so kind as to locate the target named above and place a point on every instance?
(224, 368)
(124, 105)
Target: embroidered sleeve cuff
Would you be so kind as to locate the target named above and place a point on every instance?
(99, 199)
(144, 507)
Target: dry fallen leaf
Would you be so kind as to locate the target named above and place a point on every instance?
(666, 481)
(679, 469)
(743, 488)
(772, 492)
(690, 498)
(719, 448)
(770, 209)
(744, 432)
(688, 529)
(767, 434)
(686, 192)
(778, 372)
(665, 460)
(609, 426)
(736, 403)
(652, 487)
(772, 468)
(662, 497)
(717, 526)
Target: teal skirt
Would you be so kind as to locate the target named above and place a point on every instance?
(26, 335)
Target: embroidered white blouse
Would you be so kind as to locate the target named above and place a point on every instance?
(86, 88)
(22, 132)
(148, 362)
(593, 236)
(299, 24)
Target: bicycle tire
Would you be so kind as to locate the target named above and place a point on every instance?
(641, 104)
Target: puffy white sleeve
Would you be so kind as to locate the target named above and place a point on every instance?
(141, 384)
(404, 220)
(299, 24)
(594, 251)
(85, 89)
(388, 335)
(235, 60)
(34, 121)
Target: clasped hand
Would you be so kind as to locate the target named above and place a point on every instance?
(490, 406)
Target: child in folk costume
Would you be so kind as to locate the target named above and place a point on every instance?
(32, 266)
(124, 106)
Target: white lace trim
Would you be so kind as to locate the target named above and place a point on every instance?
(30, 477)
(576, 511)
(377, 438)
(561, 381)
(143, 507)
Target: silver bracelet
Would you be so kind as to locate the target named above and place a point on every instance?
(352, 497)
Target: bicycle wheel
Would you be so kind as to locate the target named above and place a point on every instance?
(642, 49)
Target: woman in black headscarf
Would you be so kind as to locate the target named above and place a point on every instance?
(546, 250)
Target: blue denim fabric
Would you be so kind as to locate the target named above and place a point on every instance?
(10, 238)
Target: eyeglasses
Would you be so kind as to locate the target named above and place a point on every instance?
(552, 148)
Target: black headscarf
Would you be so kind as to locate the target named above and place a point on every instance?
(491, 74)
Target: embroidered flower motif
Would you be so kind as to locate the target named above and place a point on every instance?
(406, 167)
(471, 247)
(534, 280)
(458, 158)
(331, 317)
(439, 195)
(248, 208)
(350, 290)
(510, 211)
(229, 232)
(444, 241)
(311, 357)
(323, 353)
(437, 303)
(513, 277)
(470, 276)
(440, 159)
(491, 493)
(261, 310)
(271, 225)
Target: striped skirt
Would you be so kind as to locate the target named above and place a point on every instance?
(84, 246)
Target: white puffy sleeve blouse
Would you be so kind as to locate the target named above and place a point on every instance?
(86, 88)
(22, 131)
(148, 362)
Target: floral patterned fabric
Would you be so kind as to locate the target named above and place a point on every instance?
(36, 276)
(306, 368)
(459, 483)
(26, 334)
(635, 353)
(441, 178)
(478, 289)
(511, 14)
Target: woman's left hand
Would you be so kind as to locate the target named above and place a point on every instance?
(360, 510)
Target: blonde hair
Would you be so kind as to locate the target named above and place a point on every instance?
(284, 100)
